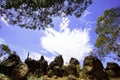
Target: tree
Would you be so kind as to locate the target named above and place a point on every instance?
(4, 52)
(4, 49)
(37, 14)
(108, 30)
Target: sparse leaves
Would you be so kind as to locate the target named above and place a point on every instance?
(108, 30)
(38, 14)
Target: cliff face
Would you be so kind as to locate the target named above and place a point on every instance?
(14, 69)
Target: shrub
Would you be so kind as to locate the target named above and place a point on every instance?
(50, 73)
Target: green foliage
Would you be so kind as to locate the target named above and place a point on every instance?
(3, 77)
(78, 68)
(33, 77)
(108, 30)
(37, 14)
(6, 48)
(50, 73)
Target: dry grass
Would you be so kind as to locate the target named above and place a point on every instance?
(81, 77)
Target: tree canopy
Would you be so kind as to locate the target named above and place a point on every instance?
(37, 14)
(4, 49)
(108, 30)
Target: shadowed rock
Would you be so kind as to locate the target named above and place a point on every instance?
(58, 71)
(58, 61)
(3, 77)
(74, 61)
(56, 66)
(93, 67)
(7, 66)
(19, 72)
(113, 69)
(37, 67)
(71, 69)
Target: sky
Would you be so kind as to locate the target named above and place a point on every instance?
(71, 36)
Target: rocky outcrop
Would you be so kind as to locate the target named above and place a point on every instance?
(71, 68)
(58, 61)
(3, 77)
(37, 67)
(19, 72)
(32, 64)
(74, 61)
(56, 66)
(93, 67)
(71, 77)
(7, 66)
(43, 65)
(113, 69)
(58, 71)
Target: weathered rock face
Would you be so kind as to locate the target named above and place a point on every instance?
(58, 61)
(19, 72)
(3, 77)
(72, 70)
(58, 71)
(113, 69)
(31, 64)
(35, 66)
(74, 61)
(8, 65)
(43, 65)
(92, 66)
(56, 66)
(71, 77)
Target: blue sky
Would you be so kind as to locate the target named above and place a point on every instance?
(71, 37)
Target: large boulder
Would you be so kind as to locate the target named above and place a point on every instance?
(37, 67)
(113, 69)
(43, 65)
(31, 63)
(20, 71)
(93, 67)
(58, 61)
(56, 66)
(3, 77)
(74, 61)
(58, 71)
(7, 66)
(71, 70)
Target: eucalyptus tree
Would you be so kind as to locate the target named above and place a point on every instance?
(108, 30)
(37, 14)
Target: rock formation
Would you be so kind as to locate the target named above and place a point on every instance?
(56, 66)
(93, 67)
(37, 67)
(7, 66)
(19, 72)
(74, 61)
(113, 69)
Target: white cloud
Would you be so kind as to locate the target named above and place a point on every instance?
(68, 43)
(4, 19)
(2, 41)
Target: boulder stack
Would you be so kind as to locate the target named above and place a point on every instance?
(7, 66)
(113, 69)
(93, 67)
(19, 72)
(56, 66)
(72, 67)
(37, 67)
